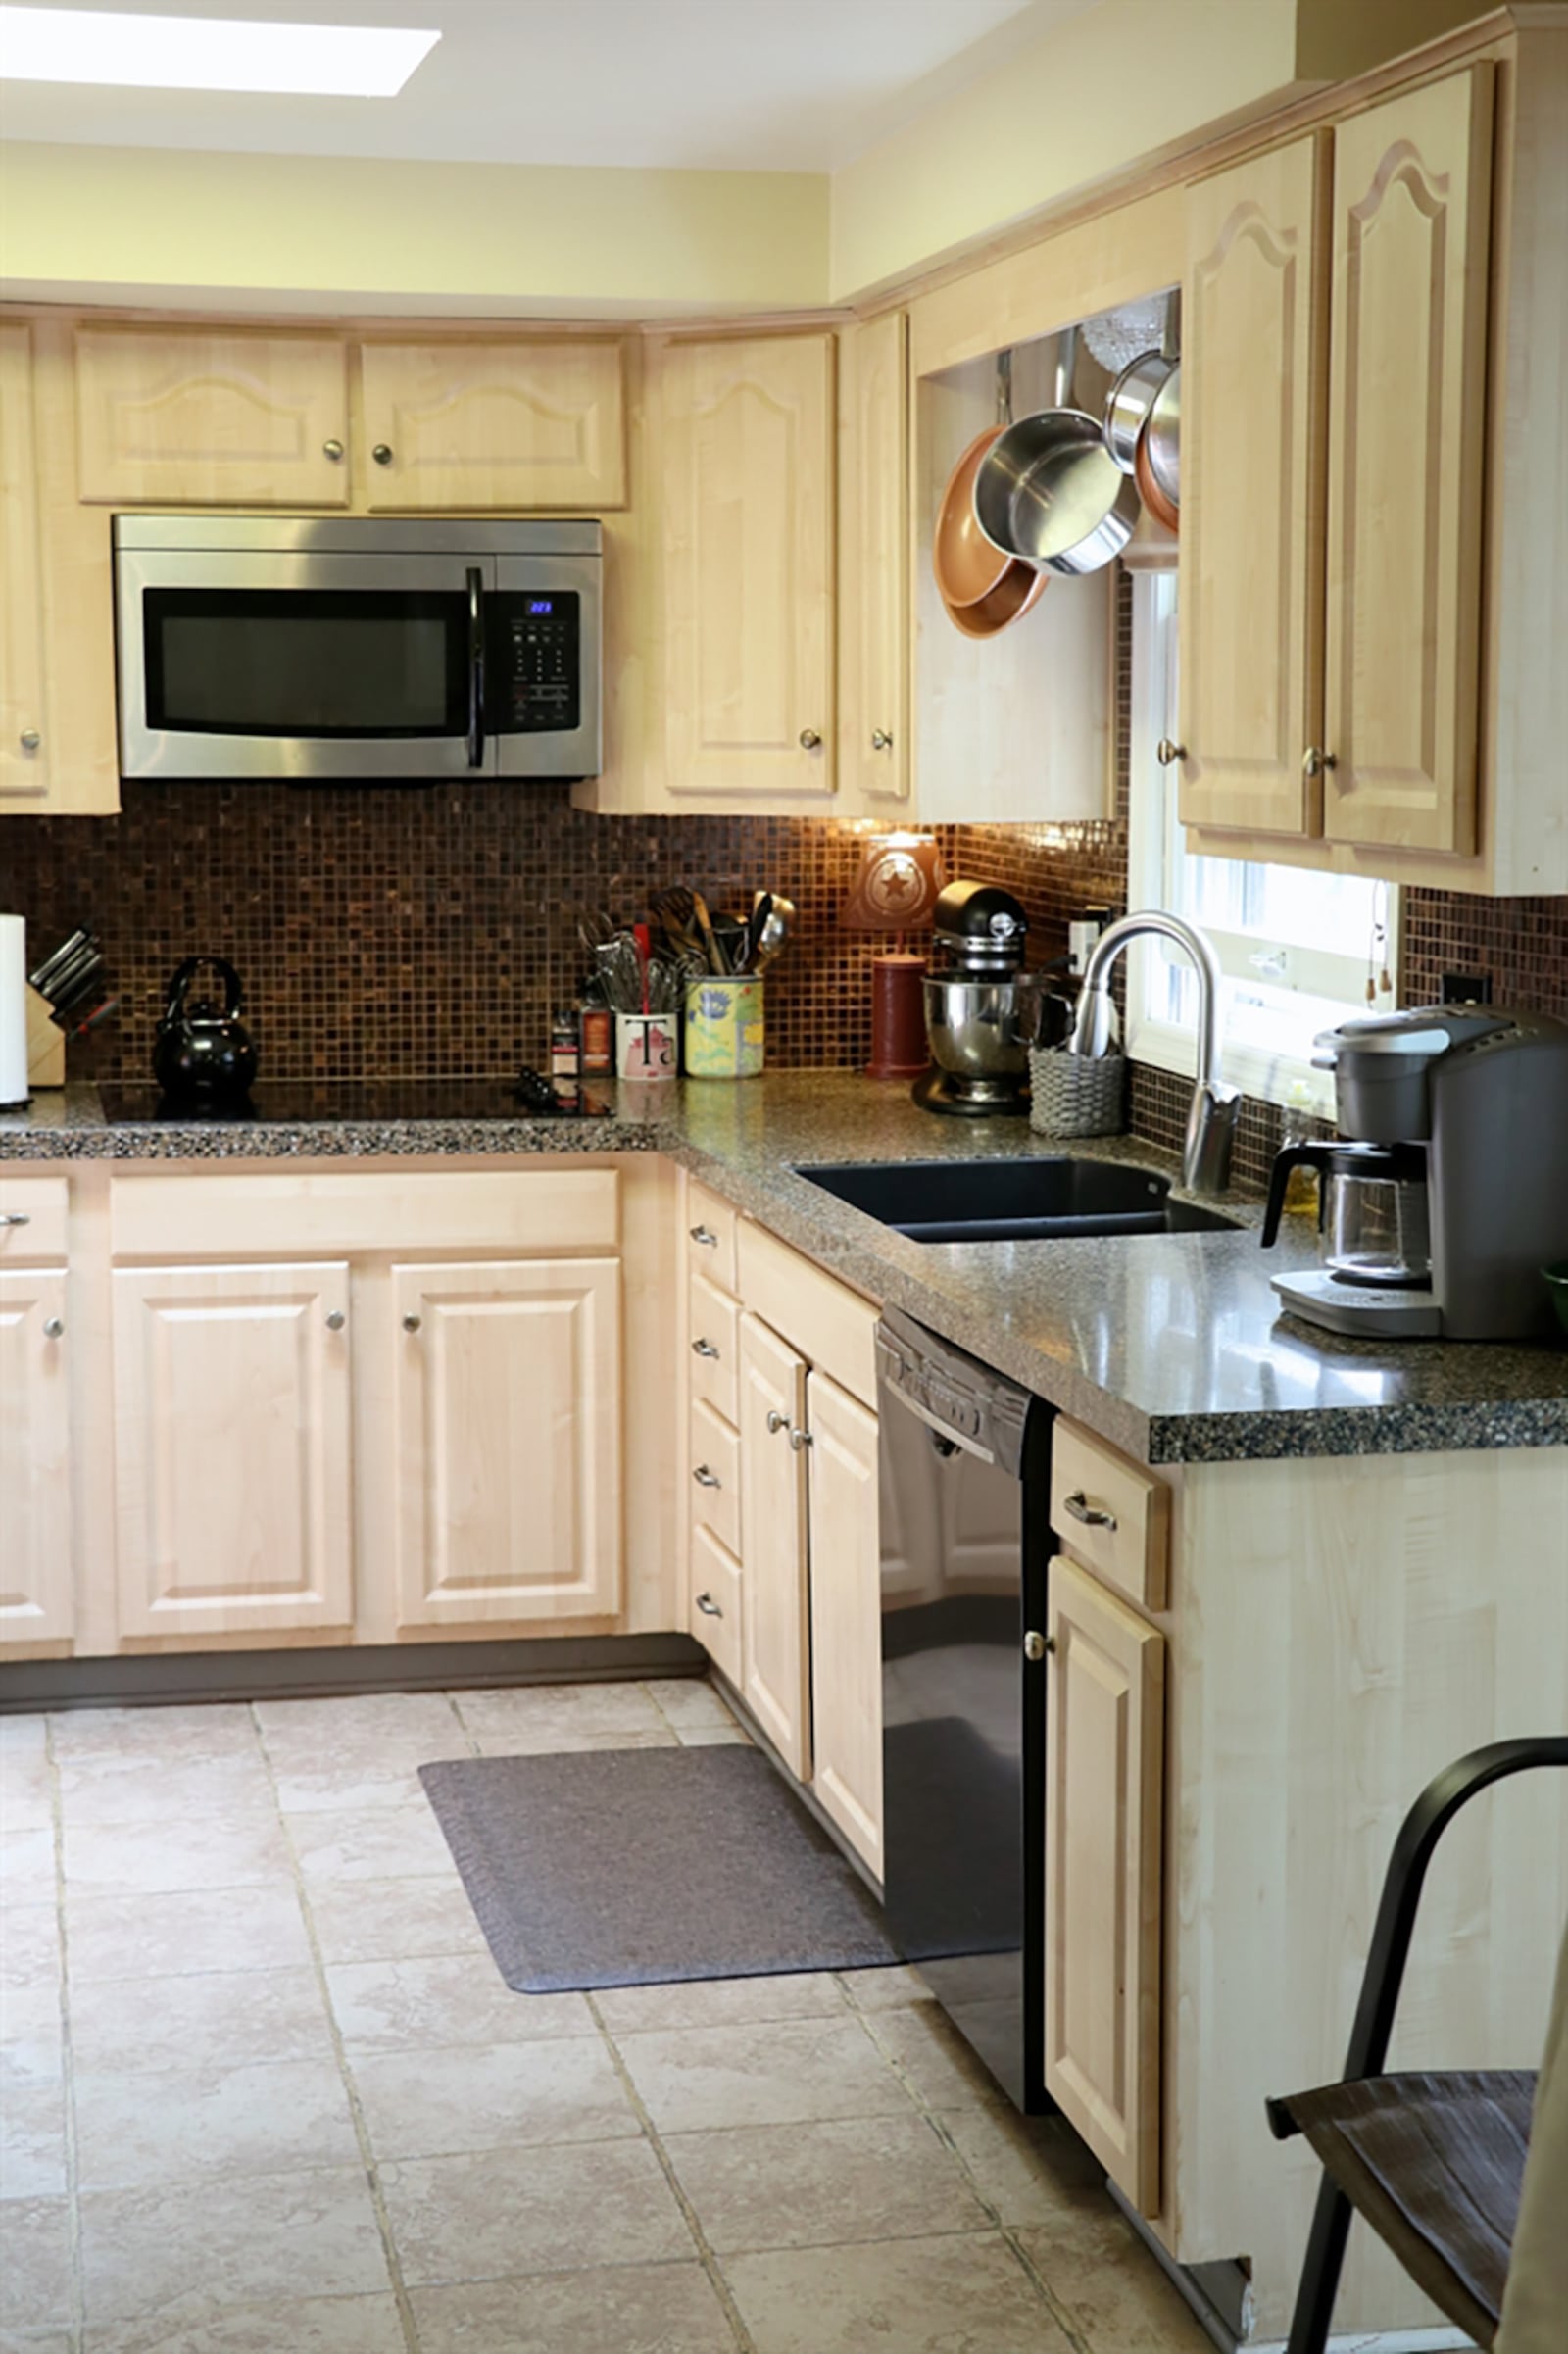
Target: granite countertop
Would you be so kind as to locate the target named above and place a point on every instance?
(1171, 1346)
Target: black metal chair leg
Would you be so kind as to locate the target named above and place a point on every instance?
(1321, 2268)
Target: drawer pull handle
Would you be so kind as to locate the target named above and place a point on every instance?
(800, 1439)
(705, 1478)
(708, 1606)
(1093, 1516)
(777, 1422)
(53, 1329)
(704, 1348)
(705, 1236)
(411, 1322)
(16, 1217)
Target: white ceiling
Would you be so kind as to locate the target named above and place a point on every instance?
(783, 85)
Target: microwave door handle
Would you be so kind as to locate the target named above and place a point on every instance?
(475, 667)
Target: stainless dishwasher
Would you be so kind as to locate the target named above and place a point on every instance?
(964, 1464)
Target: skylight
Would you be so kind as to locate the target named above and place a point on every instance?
(208, 53)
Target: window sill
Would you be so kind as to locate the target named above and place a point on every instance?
(1272, 1078)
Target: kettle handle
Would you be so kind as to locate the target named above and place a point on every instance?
(1293, 1157)
(233, 995)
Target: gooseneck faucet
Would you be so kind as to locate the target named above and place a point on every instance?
(1212, 1121)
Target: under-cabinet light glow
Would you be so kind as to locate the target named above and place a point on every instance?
(208, 53)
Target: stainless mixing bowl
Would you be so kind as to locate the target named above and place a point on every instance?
(982, 1029)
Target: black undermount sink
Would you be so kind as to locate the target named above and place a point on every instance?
(1020, 1201)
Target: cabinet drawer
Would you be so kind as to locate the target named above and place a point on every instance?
(714, 1333)
(717, 1601)
(305, 1210)
(1112, 1514)
(711, 1236)
(833, 1327)
(37, 1206)
(715, 1452)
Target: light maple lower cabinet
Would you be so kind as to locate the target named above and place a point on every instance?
(231, 1449)
(777, 1645)
(846, 1614)
(1104, 1790)
(506, 1426)
(35, 1548)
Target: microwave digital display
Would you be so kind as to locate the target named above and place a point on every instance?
(534, 672)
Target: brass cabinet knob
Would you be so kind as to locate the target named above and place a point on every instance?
(800, 1439)
(411, 1322)
(332, 448)
(1168, 754)
(881, 741)
(53, 1328)
(1035, 1647)
(776, 1421)
(30, 738)
(383, 453)
(811, 738)
(1316, 761)
(336, 1320)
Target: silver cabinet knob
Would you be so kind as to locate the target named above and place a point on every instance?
(800, 1439)
(705, 1478)
(704, 1348)
(336, 1320)
(704, 1234)
(30, 738)
(776, 1421)
(708, 1606)
(881, 741)
(16, 1217)
(383, 453)
(811, 738)
(411, 1322)
(1168, 754)
(332, 448)
(1093, 1516)
(53, 1328)
(1035, 1647)
(1316, 761)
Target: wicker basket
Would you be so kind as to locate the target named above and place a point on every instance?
(1076, 1095)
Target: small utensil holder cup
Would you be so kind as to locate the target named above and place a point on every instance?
(1076, 1095)
(724, 1027)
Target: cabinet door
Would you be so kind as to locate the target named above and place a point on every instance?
(493, 425)
(1103, 1771)
(1254, 346)
(845, 1615)
(211, 419)
(1406, 414)
(776, 1650)
(35, 1555)
(23, 732)
(748, 526)
(874, 562)
(507, 1415)
(231, 1449)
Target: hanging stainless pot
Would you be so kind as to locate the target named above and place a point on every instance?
(1162, 437)
(1046, 490)
(1128, 403)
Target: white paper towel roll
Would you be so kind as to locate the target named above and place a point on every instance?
(13, 1011)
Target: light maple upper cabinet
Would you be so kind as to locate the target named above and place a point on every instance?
(36, 1547)
(25, 734)
(231, 1449)
(846, 1614)
(873, 605)
(493, 425)
(1250, 604)
(195, 417)
(506, 1423)
(1406, 415)
(776, 1644)
(745, 463)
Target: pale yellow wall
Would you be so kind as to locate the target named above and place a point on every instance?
(133, 224)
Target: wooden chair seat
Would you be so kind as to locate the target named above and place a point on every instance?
(1435, 2163)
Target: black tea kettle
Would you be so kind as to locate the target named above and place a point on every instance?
(198, 1050)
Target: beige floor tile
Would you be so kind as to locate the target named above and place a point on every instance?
(546, 1741)
(720, 2001)
(376, 1920)
(939, 2064)
(297, 2326)
(22, 1733)
(31, 2033)
(569, 2208)
(348, 1786)
(151, 1859)
(859, 2178)
(779, 2071)
(221, 2018)
(35, 2277)
(444, 1999)
(372, 1843)
(222, 1729)
(32, 2143)
(26, 1790)
(1116, 2292)
(102, 1787)
(426, 2104)
(1028, 2169)
(30, 1945)
(714, 1737)
(134, 2131)
(242, 2242)
(27, 1866)
(538, 1716)
(963, 2295)
(687, 1701)
(35, 2341)
(225, 1929)
(360, 1721)
(893, 1990)
(640, 2309)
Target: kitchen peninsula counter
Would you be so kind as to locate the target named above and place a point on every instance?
(1171, 1346)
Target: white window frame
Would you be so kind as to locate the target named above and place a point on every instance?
(1156, 842)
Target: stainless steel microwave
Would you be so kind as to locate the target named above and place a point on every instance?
(327, 649)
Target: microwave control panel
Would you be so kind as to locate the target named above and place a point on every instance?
(535, 686)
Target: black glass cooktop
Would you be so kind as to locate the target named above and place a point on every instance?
(302, 1102)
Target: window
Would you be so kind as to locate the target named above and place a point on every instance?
(1299, 952)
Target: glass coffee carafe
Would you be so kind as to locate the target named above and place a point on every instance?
(1371, 1209)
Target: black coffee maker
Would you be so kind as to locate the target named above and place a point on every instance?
(203, 1052)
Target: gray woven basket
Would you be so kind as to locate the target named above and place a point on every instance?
(1076, 1095)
